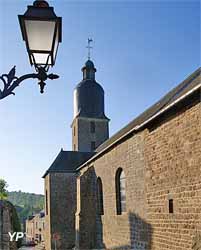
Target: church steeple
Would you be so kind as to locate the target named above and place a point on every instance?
(89, 95)
(90, 125)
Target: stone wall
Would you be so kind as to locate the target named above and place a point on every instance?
(60, 221)
(110, 230)
(161, 163)
(82, 136)
(86, 210)
(173, 171)
(6, 226)
(47, 212)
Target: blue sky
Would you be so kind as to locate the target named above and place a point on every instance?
(142, 49)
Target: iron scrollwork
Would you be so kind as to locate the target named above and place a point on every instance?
(10, 81)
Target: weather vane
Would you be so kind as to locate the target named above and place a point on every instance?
(89, 47)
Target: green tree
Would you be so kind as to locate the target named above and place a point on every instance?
(3, 189)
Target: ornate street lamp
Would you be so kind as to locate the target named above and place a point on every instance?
(41, 31)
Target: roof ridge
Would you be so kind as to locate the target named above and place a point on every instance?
(185, 82)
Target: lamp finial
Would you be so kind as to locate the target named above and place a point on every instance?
(40, 3)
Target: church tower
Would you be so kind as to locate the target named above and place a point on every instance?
(90, 125)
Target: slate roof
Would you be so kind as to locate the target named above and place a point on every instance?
(68, 161)
(89, 99)
(189, 83)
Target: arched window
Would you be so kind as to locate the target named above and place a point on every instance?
(100, 196)
(120, 191)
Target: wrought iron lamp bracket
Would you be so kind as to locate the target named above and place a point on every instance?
(10, 81)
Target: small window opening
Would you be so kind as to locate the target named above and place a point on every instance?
(92, 127)
(46, 199)
(171, 206)
(93, 145)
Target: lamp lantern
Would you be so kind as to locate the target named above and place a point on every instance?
(41, 31)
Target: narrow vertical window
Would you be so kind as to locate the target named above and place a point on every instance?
(74, 146)
(74, 130)
(92, 127)
(100, 196)
(93, 145)
(120, 191)
(171, 206)
(46, 199)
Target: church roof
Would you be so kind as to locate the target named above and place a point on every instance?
(89, 99)
(68, 161)
(89, 95)
(188, 86)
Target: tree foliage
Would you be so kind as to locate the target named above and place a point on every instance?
(26, 204)
(3, 189)
(23, 199)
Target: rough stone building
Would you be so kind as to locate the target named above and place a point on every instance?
(35, 228)
(139, 189)
(9, 223)
(30, 229)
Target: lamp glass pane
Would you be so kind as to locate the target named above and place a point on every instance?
(40, 34)
(41, 58)
(56, 45)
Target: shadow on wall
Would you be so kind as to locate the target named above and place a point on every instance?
(140, 232)
(99, 233)
(140, 235)
(90, 231)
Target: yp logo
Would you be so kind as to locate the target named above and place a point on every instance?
(15, 236)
